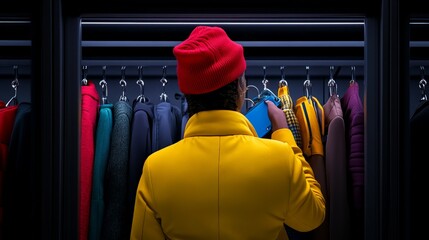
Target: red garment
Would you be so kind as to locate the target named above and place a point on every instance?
(7, 120)
(90, 104)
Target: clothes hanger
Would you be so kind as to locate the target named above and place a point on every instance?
(265, 94)
(84, 75)
(123, 84)
(141, 98)
(352, 80)
(313, 101)
(266, 91)
(307, 85)
(283, 91)
(287, 105)
(252, 102)
(163, 97)
(282, 81)
(103, 85)
(422, 84)
(15, 83)
(332, 85)
(258, 113)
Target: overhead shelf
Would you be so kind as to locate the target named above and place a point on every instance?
(15, 43)
(244, 43)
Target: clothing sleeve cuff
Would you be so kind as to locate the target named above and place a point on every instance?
(284, 135)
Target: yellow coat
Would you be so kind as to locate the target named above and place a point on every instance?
(222, 182)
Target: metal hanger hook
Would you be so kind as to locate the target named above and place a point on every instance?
(422, 86)
(282, 72)
(307, 70)
(164, 81)
(123, 84)
(307, 89)
(353, 69)
(123, 72)
(255, 87)
(264, 80)
(140, 82)
(164, 74)
(15, 82)
(331, 72)
(84, 75)
(103, 84)
(282, 82)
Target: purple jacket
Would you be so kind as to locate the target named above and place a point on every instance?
(354, 120)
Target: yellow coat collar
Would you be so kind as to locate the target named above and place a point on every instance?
(218, 123)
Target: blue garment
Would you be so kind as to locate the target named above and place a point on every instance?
(166, 125)
(102, 150)
(185, 115)
(184, 111)
(140, 146)
(185, 119)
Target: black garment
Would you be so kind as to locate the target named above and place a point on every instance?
(419, 132)
(184, 111)
(140, 147)
(22, 186)
(115, 221)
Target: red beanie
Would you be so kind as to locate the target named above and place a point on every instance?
(208, 60)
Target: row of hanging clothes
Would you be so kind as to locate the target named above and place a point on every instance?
(331, 136)
(116, 138)
(18, 188)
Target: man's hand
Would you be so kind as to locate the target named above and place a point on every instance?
(277, 116)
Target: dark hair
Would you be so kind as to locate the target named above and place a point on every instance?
(224, 98)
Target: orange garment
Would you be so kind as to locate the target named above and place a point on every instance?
(311, 117)
(310, 114)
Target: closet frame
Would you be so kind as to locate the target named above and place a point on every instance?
(56, 68)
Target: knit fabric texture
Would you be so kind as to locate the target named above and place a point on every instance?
(288, 108)
(208, 60)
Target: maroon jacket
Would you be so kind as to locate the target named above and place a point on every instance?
(336, 170)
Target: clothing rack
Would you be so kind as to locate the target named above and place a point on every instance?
(151, 75)
(293, 68)
(58, 37)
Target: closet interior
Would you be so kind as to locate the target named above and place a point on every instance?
(418, 117)
(15, 60)
(276, 47)
(127, 58)
(18, 167)
(52, 46)
(419, 65)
